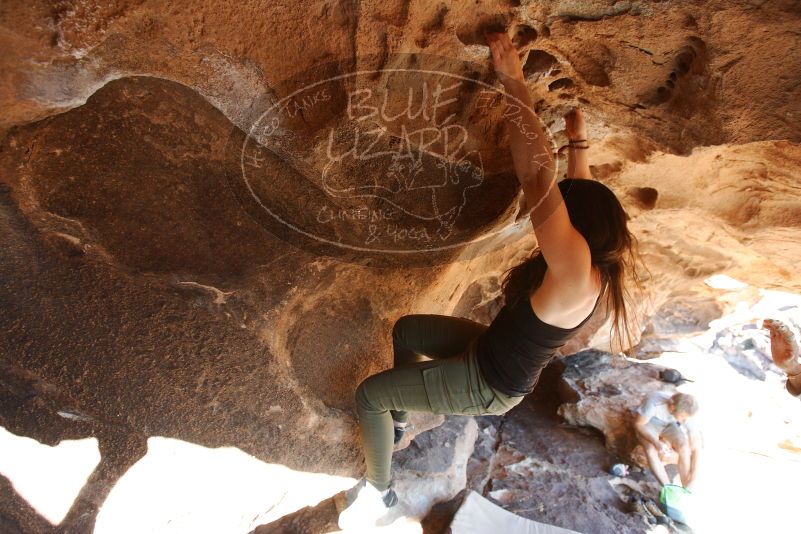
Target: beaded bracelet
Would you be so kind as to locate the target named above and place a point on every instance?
(572, 144)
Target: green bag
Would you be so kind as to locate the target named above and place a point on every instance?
(674, 500)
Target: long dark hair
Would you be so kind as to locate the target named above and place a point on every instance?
(598, 216)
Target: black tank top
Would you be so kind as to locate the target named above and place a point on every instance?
(517, 345)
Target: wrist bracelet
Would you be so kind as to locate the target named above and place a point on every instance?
(572, 143)
(563, 147)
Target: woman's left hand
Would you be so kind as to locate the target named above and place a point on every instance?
(504, 58)
(575, 128)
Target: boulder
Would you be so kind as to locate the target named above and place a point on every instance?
(433, 467)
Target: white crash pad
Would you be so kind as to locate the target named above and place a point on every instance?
(478, 515)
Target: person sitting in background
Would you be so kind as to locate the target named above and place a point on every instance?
(665, 421)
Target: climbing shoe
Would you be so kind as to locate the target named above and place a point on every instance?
(363, 505)
(654, 510)
(637, 506)
(400, 431)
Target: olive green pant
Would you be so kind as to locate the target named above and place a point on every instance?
(435, 370)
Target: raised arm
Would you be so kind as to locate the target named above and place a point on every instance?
(576, 130)
(531, 152)
(564, 249)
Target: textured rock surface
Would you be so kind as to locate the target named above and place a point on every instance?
(433, 467)
(143, 290)
(531, 464)
(680, 73)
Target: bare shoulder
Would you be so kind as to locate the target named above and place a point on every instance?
(563, 304)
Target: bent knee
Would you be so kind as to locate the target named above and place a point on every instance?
(679, 443)
(365, 394)
(402, 325)
(361, 396)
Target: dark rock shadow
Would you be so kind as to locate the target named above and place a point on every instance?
(121, 233)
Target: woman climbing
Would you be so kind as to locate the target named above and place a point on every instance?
(450, 365)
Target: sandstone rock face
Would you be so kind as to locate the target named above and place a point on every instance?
(678, 73)
(175, 263)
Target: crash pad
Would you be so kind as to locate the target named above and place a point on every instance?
(478, 515)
